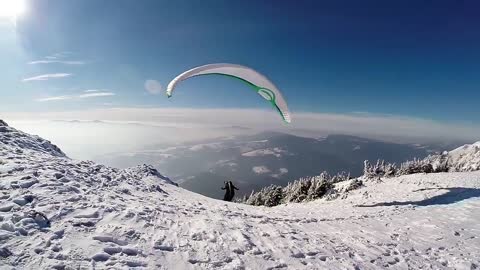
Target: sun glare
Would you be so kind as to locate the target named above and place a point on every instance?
(11, 9)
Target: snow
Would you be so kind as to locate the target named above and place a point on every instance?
(465, 158)
(101, 217)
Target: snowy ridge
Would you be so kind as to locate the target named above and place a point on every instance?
(58, 213)
(465, 158)
(20, 141)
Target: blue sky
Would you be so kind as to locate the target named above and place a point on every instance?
(409, 58)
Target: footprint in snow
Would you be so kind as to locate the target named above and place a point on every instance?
(129, 251)
(112, 250)
(110, 239)
(101, 257)
(135, 263)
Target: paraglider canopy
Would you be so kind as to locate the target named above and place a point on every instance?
(255, 80)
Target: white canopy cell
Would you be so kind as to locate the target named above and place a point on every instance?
(263, 86)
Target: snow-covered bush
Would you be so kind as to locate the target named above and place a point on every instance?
(380, 169)
(297, 191)
(255, 198)
(339, 177)
(352, 184)
(462, 159)
(430, 164)
(319, 186)
(415, 166)
(273, 196)
(268, 196)
(301, 190)
(439, 162)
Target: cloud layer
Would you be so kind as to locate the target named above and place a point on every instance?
(393, 128)
(132, 129)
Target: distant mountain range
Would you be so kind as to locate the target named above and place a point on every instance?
(256, 161)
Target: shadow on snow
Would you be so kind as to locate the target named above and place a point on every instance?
(453, 195)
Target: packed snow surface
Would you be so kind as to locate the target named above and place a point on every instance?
(58, 213)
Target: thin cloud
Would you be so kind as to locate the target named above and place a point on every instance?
(58, 55)
(56, 62)
(58, 58)
(46, 77)
(91, 91)
(96, 94)
(81, 96)
(54, 98)
(260, 169)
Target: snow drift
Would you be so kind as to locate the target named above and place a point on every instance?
(58, 213)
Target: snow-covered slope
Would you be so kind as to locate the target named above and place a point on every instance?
(465, 158)
(15, 140)
(101, 217)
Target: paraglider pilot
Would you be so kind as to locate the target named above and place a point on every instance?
(229, 191)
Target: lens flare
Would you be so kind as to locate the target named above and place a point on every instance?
(11, 9)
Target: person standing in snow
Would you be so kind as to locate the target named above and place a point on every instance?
(229, 190)
(232, 189)
(226, 187)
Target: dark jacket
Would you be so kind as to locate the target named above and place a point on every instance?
(226, 187)
(232, 190)
(229, 191)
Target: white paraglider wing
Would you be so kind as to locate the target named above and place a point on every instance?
(257, 81)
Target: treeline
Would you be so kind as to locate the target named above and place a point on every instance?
(331, 186)
(301, 190)
(430, 164)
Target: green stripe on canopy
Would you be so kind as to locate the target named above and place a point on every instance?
(255, 80)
